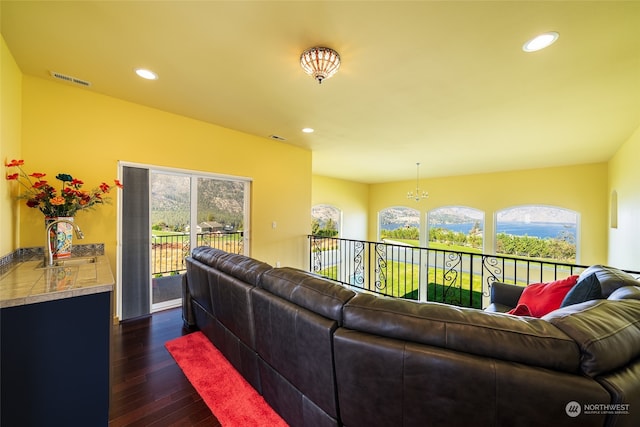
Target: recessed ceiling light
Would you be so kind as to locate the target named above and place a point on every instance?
(540, 42)
(146, 74)
(307, 130)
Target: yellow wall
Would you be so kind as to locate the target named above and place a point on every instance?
(76, 131)
(60, 128)
(582, 188)
(10, 135)
(624, 179)
(351, 198)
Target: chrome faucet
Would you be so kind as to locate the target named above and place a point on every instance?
(48, 253)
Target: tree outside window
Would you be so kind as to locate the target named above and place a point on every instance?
(400, 225)
(325, 221)
(456, 228)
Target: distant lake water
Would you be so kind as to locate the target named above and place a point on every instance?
(533, 229)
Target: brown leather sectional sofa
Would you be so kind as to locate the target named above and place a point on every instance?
(322, 355)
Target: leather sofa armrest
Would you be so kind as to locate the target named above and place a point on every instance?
(626, 292)
(504, 296)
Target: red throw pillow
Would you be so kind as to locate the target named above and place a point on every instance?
(520, 310)
(542, 298)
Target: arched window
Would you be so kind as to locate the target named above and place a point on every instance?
(325, 221)
(456, 226)
(535, 231)
(399, 224)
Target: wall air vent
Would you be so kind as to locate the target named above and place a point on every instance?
(277, 138)
(69, 79)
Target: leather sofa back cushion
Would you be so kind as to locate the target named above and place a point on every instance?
(239, 266)
(231, 302)
(307, 290)
(297, 344)
(607, 332)
(207, 255)
(389, 383)
(610, 278)
(242, 267)
(501, 336)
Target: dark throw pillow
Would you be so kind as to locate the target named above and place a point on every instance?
(586, 289)
(610, 278)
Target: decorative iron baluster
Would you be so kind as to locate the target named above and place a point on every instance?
(316, 254)
(381, 266)
(491, 265)
(358, 260)
(450, 278)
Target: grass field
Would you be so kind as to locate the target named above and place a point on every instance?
(402, 281)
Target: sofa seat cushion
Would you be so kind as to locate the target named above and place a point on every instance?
(607, 332)
(495, 307)
(504, 296)
(518, 339)
(542, 298)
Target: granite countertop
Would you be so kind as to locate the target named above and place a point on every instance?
(26, 282)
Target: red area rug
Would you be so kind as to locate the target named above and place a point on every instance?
(233, 401)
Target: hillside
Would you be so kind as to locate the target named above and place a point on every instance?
(219, 200)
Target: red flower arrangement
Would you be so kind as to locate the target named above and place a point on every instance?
(71, 199)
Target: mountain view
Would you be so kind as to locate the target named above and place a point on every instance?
(537, 214)
(221, 201)
(397, 217)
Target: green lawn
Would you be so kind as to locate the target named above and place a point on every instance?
(402, 282)
(438, 245)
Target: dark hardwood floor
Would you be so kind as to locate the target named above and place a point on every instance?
(147, 387)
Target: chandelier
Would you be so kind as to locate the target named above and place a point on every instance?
(320, 62)
(418, 194)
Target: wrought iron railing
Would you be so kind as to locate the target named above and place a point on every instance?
(168, 252)
(426, 274)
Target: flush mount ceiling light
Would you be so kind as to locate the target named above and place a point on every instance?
(307, 130)
(320, 62)
(146, 74)
(540, 42)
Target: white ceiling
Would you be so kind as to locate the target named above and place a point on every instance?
(442, 83)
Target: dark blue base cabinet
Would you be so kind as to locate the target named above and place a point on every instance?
(54, 362)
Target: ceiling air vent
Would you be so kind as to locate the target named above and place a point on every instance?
(277, 138)
(69, 79)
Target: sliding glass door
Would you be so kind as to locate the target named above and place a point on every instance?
(180, 210)
(170, 242)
